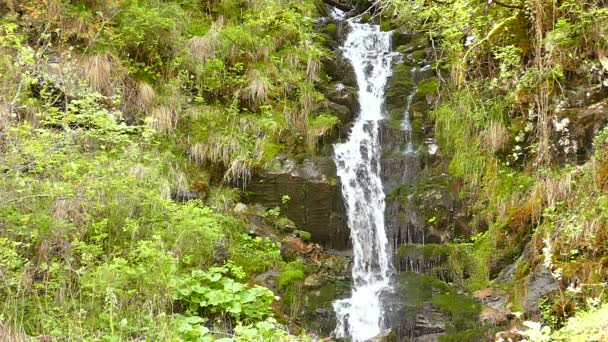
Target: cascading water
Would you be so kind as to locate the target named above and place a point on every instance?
(358, 164)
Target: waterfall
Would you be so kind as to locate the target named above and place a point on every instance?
(360, 317)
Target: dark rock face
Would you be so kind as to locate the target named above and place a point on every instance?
(421, 206)
(586, 110)
(315, 198)
(540, 284)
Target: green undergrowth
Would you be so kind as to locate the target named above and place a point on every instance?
(93, 247)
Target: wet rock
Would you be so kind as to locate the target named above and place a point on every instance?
(402, 37)
(540, 284)
(586, 109)
(183, 195)
(339, 69)
(430, 323)
(315, 203)
(496, 309)
(385, 336)
(288, 253)
(340, 111)
(343, 95)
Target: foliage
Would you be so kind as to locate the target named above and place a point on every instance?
(218, 291)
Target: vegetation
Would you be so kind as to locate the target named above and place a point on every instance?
(511, 76)
(128, 130)
(123, 128)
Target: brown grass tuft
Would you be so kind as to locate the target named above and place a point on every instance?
(258, 89)
(97, 70)
(165, 118)
(204, 47)
(70, 210)
(496, 136)
(144, 96)
(12, 334)
(313, 69)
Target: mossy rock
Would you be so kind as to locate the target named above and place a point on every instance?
(366, 17)
(286, 225)
(302, 234)
(331, 29)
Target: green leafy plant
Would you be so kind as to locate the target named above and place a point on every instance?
(218, 291)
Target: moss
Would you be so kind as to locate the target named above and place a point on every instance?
(331, 29)
(365, 17)
(431, 250)
(419, 55)
(419, 289)
(385, 26)
(304, 235)
(428, 86)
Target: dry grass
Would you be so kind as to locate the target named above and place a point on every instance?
(313, 69)
(179, 179)
(12, 334)
(258, 89)
(239, 171)
(216, 150)
(204, 47)
(71, 210)
(144, 95)
(554, 190)
(54, 8)
(97, 70)
(496, 136)
(165, 118)
(139, 172)
(292, 59)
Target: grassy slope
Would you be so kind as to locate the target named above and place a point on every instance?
(108, 110)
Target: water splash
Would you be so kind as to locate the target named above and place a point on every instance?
(360, 317)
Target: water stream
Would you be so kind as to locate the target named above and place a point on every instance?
(360, 317)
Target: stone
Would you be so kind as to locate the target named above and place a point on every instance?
(340, 70)
(267, 279)
(429, 323)
(540, 284)
(495, 310)
(285, 225)
(343, 95)
(240, 208)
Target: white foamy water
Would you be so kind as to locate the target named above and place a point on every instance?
(359, 317)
